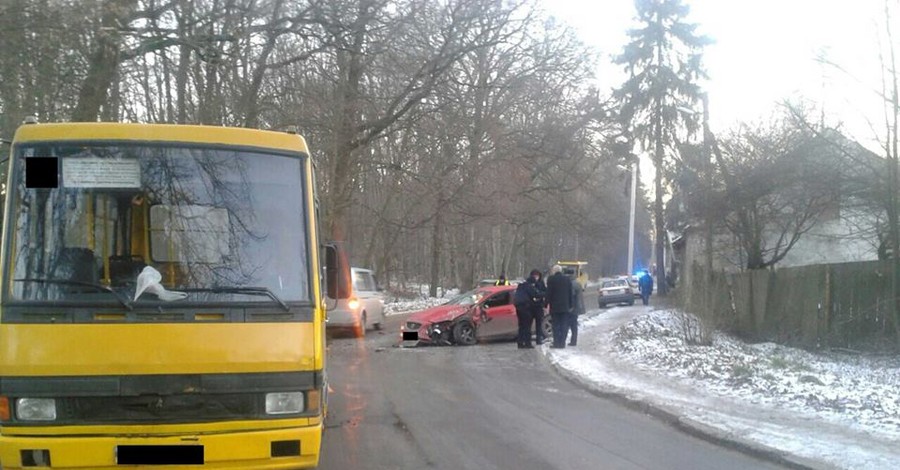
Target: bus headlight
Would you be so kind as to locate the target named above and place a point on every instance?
(284, 403)
(36, 409)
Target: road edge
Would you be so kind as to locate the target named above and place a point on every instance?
(687, 425)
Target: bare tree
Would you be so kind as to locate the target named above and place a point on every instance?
(776, 181)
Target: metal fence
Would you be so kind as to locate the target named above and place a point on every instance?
(843, 305)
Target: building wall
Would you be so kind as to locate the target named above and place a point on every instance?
(835, 241)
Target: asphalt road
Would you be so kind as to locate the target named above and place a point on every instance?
(489, 406)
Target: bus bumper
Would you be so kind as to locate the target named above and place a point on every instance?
(245, 450)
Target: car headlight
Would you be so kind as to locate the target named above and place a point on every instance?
(281, 403)
(353, 304)
(439, 328)
(36, 409)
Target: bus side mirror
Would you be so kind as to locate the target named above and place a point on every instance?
(337, 272)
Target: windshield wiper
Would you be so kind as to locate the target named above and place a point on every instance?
(241, 290)
(68, 282)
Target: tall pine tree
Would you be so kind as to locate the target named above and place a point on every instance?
(663, 62)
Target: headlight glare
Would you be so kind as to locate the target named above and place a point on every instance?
(36, 409)
(281, 403)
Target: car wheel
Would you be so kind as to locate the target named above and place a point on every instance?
(631, 303)
(378, 326)
(360, 330)
(602, 305)
(464, 333)
(547, 327)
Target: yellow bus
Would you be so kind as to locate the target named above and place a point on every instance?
(575, 270)
(161, 299)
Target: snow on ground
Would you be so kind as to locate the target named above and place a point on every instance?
(415, 299)
(828, 410)
(863, 390)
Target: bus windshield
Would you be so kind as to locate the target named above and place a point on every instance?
(214, 220)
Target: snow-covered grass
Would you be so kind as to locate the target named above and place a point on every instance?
(414, 299)
(864, 390)
(827, 410)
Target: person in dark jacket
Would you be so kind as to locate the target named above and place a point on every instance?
(537, 307)
(577, 310)
(560, 297)
(645, 283)
(524, 297)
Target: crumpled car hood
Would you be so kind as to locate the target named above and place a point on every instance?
(439, 314)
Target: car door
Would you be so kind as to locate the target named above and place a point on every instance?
(365, 292)
(498, 318)
(374, 300)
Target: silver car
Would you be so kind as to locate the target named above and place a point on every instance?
(363, 310)
(615, 291)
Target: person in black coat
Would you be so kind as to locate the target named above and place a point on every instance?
(537, 307)
(524, 298)
(560, 297)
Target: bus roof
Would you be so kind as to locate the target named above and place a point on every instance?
(160, 133)
(572, 263)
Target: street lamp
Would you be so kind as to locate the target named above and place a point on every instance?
(635, 165)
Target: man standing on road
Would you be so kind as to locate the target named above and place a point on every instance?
(523, 299)
(577, 310)
(537, 307)
(560, 297)
(646, 285)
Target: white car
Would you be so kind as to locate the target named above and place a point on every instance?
(615, 291)
(363, 310)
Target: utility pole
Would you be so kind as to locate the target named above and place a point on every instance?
(707, 180)
(635, 167)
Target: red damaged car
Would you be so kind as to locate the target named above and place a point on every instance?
(486, 313)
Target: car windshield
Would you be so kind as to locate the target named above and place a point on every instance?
(469, 298)
(203, 218)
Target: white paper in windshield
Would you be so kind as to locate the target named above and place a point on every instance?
(101, 173)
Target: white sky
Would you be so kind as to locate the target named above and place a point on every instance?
(764, 52)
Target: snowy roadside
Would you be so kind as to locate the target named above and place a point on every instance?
(399, 306)
(815, 410)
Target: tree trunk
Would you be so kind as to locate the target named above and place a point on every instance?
(251, 94)
(343, 166)
(658, 209)
(184, 61)
(104, 60)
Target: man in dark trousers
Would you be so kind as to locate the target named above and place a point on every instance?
(524, 299)
(560, 297)
(537, 307)
(645, 283)
(577, 310)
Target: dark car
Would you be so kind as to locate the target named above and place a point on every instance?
(482, 314)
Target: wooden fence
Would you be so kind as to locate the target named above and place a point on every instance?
(838, 305)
